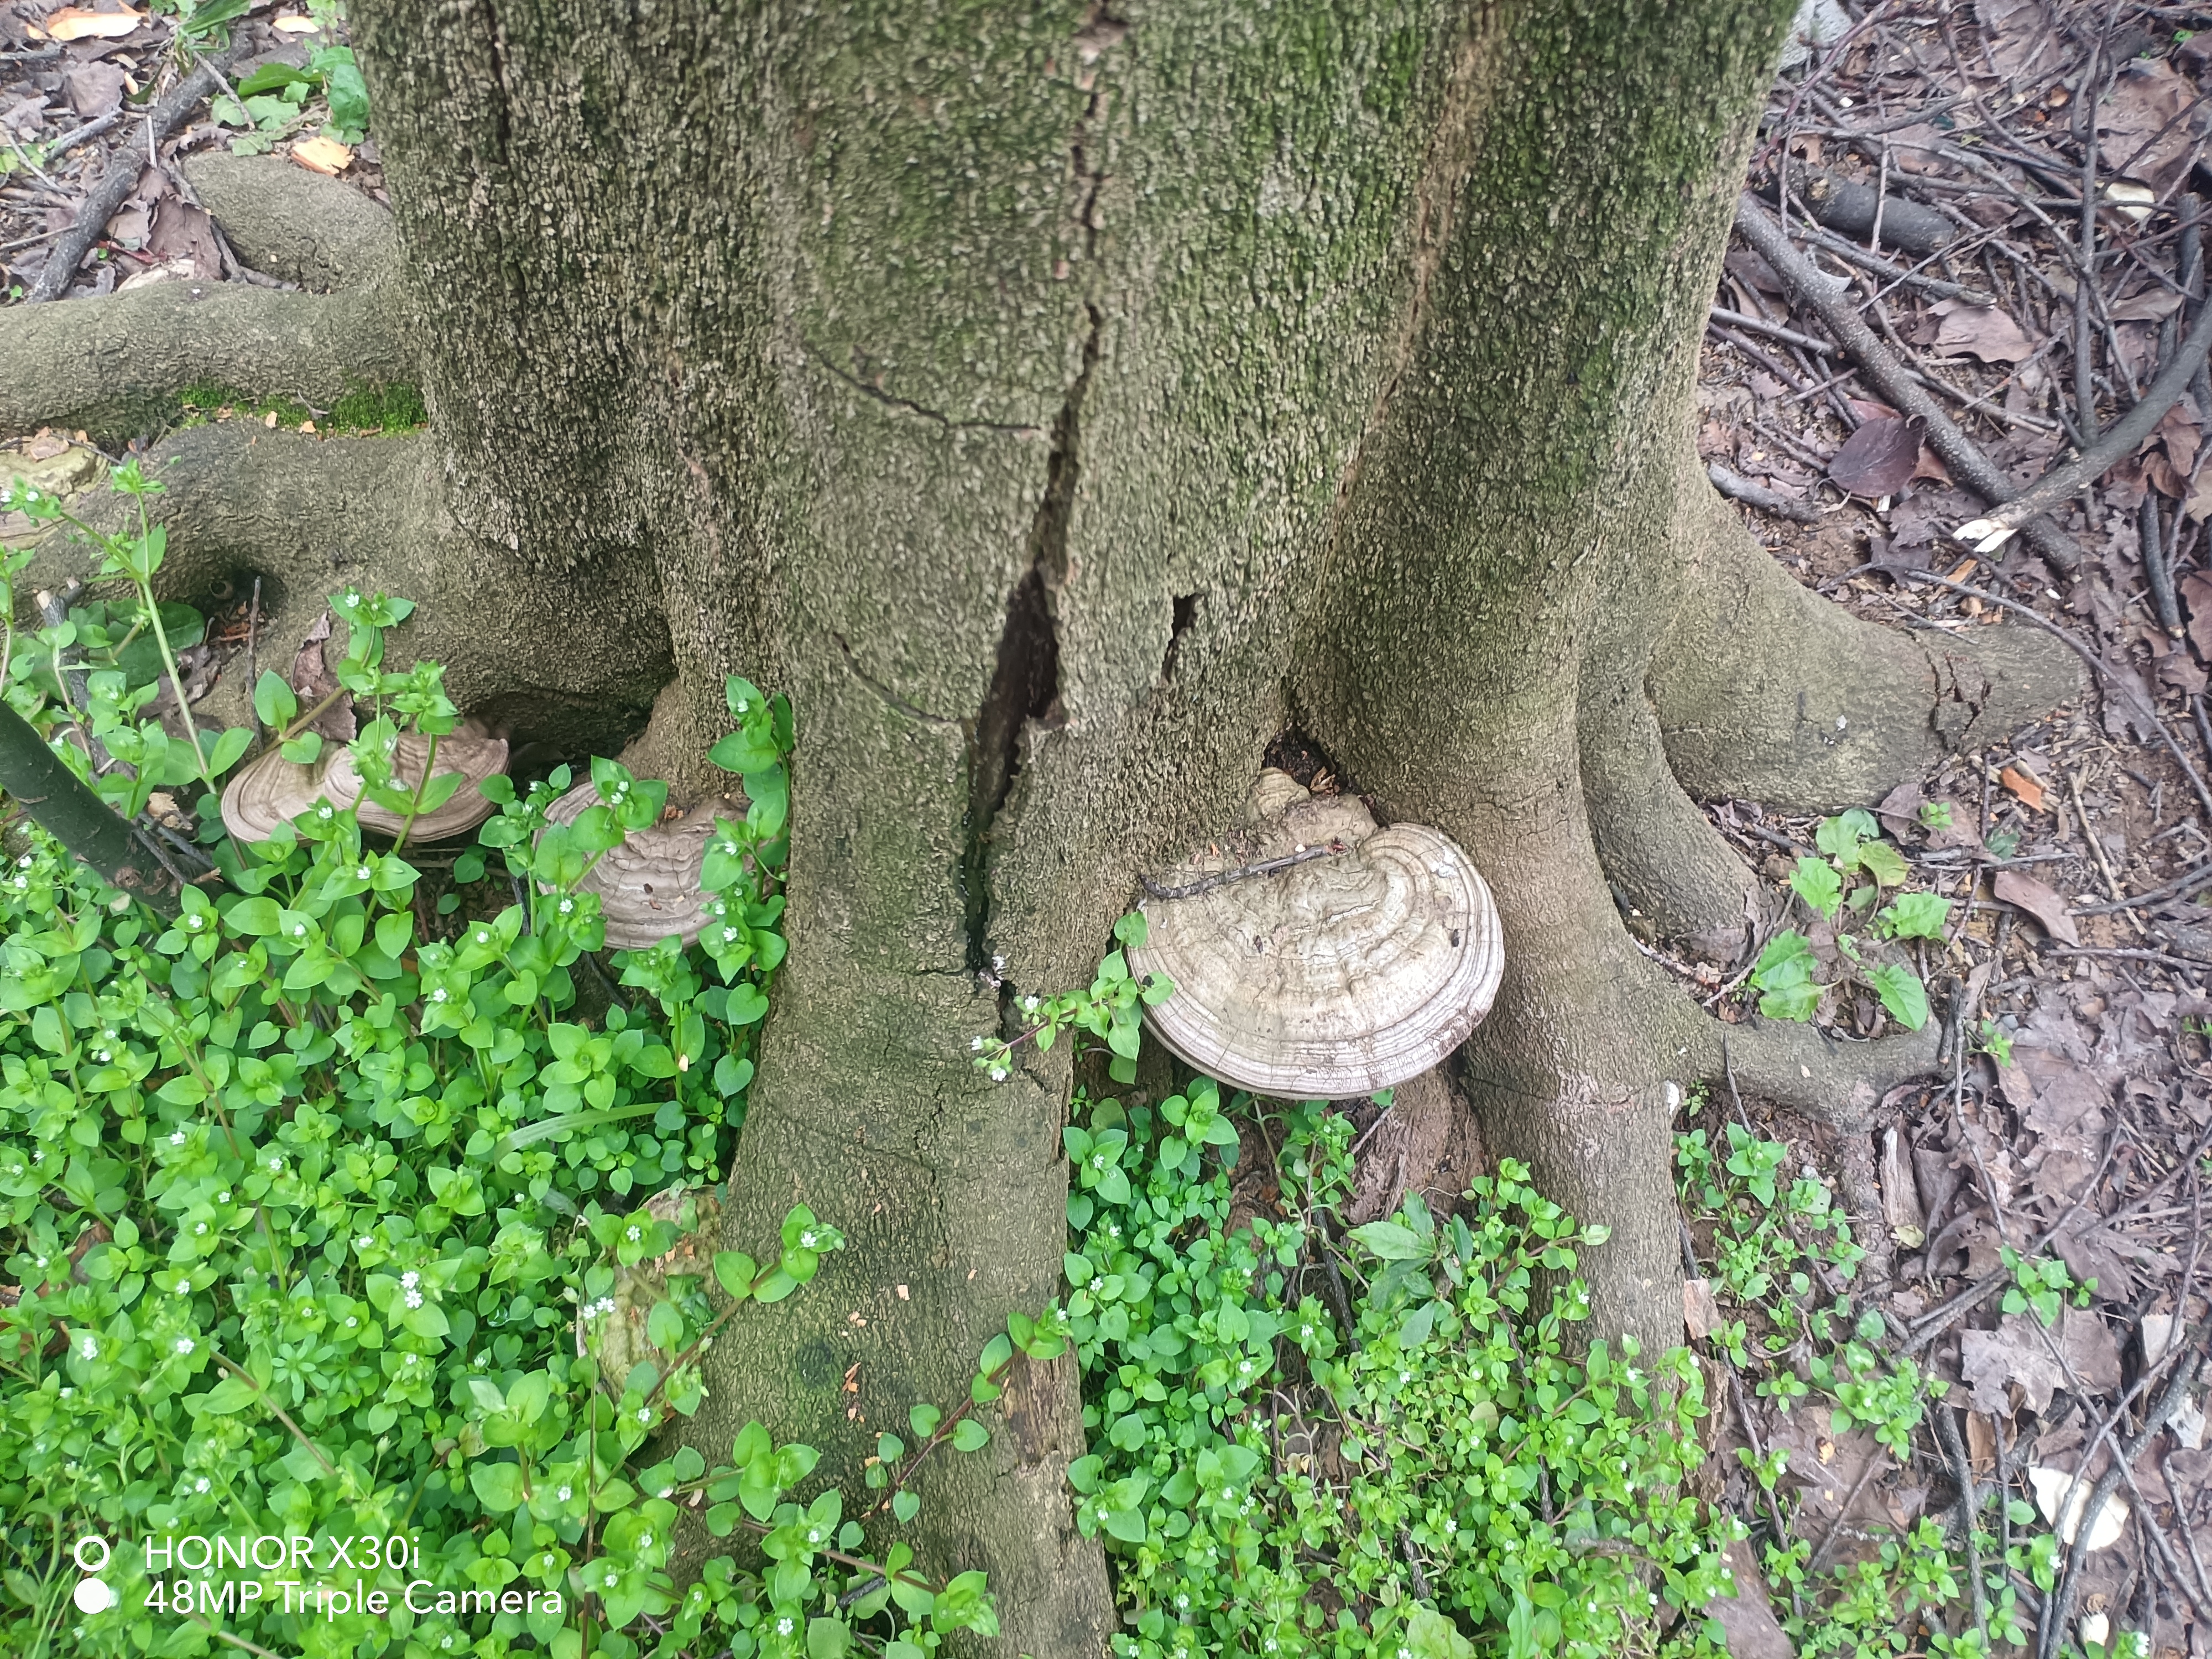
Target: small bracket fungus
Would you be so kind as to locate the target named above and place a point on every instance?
(1359, 958)
(472, 751)
(273, 790)
(648, 887)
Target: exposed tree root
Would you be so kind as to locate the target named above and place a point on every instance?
(1662, 856)
(1766, 691)
(114, 365)
(541, 653)
(297, 225)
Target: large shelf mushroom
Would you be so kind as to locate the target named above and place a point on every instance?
(273, 790)
(648, 886)
(1361, 961)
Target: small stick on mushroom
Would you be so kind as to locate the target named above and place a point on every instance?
(1368, 960)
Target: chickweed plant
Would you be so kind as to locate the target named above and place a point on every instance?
(308, 1210)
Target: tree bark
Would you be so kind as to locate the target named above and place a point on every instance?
(1058, 404)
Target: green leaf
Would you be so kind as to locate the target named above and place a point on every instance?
(664, 1327)
(227, 748)
(1391, 1242)
(1839, 837)
(1884, 863)
(274, 700)
(905, 1505)
(1901, 992)
(1916, 915)
(970, 1436)
(923, 1419)
(1784, 978)
(743, 751)
(258, 917)
(1132, 929)
(735, 1271)
(498, 1486)
(1816, 882)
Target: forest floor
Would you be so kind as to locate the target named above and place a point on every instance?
(2073, 854)
(2036, 261)
(79, 84)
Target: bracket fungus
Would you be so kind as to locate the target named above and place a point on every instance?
(648, 886)
(273, 790)
(1326, 958)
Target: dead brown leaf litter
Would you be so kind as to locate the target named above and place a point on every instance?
(75, 84)
(2075, 856)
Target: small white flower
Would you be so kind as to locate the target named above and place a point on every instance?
(322, 811)
(438, 995)
(351, 1322)
(998, 1074)
(645, 1538)
(89, 1349)
(806, 1240)
(634, 1234)
(413, 1298)
(783, 1626)
(645, 1413)
(1029, 1004)
(195, 923)
(223, 1197)
(364, 1242)
(483, 936)
(564, 1493)
(277, 1163)
(360, 872)
(200, 1485)
(976, 1043)
(177, 1139)
(184, 1345)
(566, 906)
(299, 930)
(199, 1227)
(729, 934)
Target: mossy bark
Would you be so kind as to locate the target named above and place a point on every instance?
(1057, 403)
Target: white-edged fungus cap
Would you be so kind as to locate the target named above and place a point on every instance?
(1344, 973)
(648, 886)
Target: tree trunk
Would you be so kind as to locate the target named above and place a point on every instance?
(1058, 404)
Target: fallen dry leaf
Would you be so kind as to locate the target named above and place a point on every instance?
(2144, 126)
(2056, 1487)
(1879, 459)
(1701, 1314)
(1984, 332)
(94, 89)
(74, 23)
(322, 155)
(1748, 1616)
(2153, 305)
(296, 26)
(2040, 901)
(2017, 783)
(2019, 1350)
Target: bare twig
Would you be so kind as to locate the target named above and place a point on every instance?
(1890, 377)
(1737, 488)
(1222, 877)
(2117, 443)
(102, 200)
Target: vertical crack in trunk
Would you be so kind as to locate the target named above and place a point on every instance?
(1025, 683)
